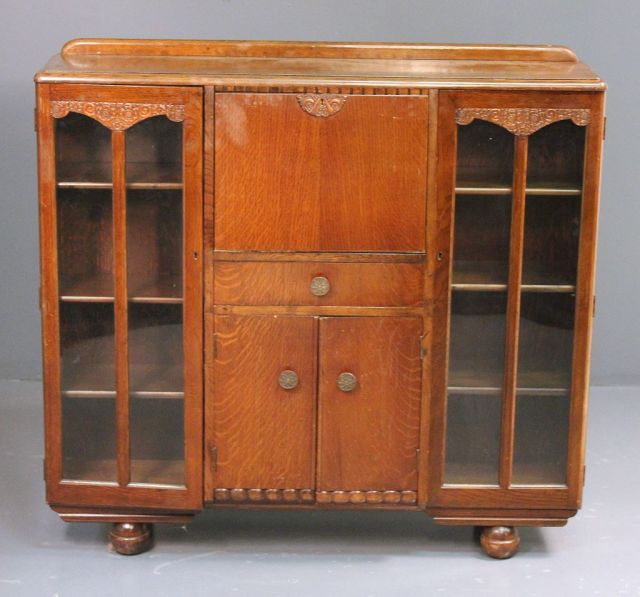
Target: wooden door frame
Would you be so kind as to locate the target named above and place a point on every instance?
(441, 245)
(88, 99)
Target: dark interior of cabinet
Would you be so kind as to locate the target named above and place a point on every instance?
(546, 340)
(556, 156)
(155, 349)
(154, 152)
(473, 439)
(85, 243)
(480, 316)
(89, 439)
(541, 439)
(83, 150)
(485, 155)
(154, 243)
(87, 347)
(551, 240)
(481, 239)
(157, 440)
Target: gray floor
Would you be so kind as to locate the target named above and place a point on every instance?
(314, 553)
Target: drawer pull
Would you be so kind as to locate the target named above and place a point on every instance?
(320, 286)
(347, 382)
(288, 379)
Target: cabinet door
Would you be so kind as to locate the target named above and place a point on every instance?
(120, 191)
(369, 409)
(517, 302)
(320, 172)
(263, 408)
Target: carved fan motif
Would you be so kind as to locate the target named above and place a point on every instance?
(523, 121)
(118, 116)
(321, 105)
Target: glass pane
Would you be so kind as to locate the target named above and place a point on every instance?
(157, 441)
(546, 340)
(85, 278)
(485, 156)
(154, 277)
(156, 385)
(476, 371)
(481, 240)
(541, 439)
(88, 390)
(556, 156)
(83, 151)
(473, 439)
(85, 244)
(477, 339)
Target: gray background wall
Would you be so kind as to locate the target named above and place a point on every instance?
(604, 34)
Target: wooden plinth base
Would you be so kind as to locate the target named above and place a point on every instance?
(500, 542)
(131, 538)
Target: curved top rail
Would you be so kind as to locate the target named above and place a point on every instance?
(301, 49)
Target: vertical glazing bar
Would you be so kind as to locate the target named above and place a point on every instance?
(121, 305)
(513, 309)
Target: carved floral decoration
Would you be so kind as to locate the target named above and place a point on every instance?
(117, 116)
(523, 121)
(322, 105)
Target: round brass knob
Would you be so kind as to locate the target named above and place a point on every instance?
(347, 381)
(288, 379)
(320, 286)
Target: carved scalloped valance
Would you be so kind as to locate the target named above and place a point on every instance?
(118, 116)
(523, 121)
(323, 105)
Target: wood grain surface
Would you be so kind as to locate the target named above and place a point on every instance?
(264, 435)
(287, 180)
(368, 437)
(354, 284)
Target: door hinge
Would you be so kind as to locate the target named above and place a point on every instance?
(594, 306)
(35, 119)
(423, 350)
(604, 129)
(44, 469)
(584, 474)
(213, 454)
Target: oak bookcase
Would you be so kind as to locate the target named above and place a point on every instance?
(317, 275)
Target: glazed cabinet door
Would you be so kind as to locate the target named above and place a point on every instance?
(120, 193)
(320, 172)
(517, 201)
(263, 409)
(369, 409)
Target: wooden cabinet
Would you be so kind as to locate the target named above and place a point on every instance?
(353, 276)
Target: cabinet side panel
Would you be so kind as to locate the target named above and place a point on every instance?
(49, 289)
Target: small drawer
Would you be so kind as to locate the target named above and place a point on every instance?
(318, 283)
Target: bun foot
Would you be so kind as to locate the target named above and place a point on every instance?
(500, 542)
(131, 538)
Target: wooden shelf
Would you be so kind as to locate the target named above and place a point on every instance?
(490, 276)
(145, 381)
(485, 475)
(487, 378)
(139, 175)
(479, 276)
(143, 471)
(99, 289)
(479, 188)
